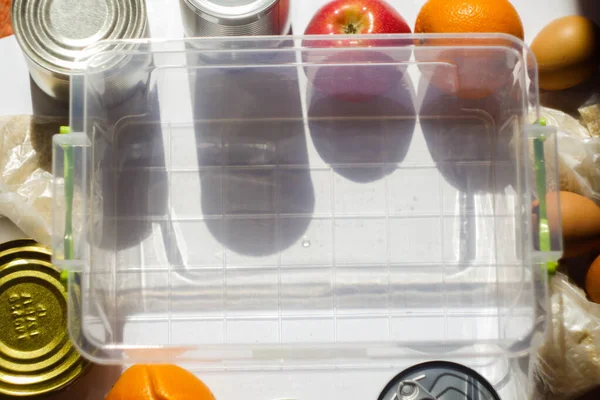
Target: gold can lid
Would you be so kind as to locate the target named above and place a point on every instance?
(17, 243)
(29, 252)
(36, 353)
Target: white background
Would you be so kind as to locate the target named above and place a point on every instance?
(360, 385)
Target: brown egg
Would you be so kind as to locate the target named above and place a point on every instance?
(592, 281)
(580, 216)
(577, 267)
(580, 220)
(566, 51)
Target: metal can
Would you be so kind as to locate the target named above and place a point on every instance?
(54, 34)
(439, 380)
(34, 252)
(23, 248)
(235, 18)
(36, 353)
(17, 243)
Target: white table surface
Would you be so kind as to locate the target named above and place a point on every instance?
(16, 99)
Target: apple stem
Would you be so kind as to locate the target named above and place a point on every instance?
(351, 28)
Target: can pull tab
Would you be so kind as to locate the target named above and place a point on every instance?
(413, 390)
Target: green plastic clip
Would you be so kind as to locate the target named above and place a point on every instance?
(68, 179)
(64, 277)
(540, 178)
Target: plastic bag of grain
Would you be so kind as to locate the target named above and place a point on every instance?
(567, 364)
(25, 180)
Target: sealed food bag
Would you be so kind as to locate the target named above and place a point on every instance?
(567, 364)
(578, 156)
(590, 116)
(25, 183)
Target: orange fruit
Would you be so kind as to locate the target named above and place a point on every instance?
(159, 382)
(469, 16)
(5, 27)
(474, 74)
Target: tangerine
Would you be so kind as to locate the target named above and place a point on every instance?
(468, 73)
(159, 382)
(469, 16)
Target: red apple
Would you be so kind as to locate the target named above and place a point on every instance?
(364, 17)
(344, 66)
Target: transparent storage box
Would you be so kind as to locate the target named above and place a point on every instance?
(305, 202)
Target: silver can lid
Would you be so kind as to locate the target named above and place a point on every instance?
(54, 33)
(439, 380)
(231, 12)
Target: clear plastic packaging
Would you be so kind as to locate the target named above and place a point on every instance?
(25, 180)
(306, 202)
(567, 364)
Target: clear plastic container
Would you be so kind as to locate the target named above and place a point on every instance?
(306, 202)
